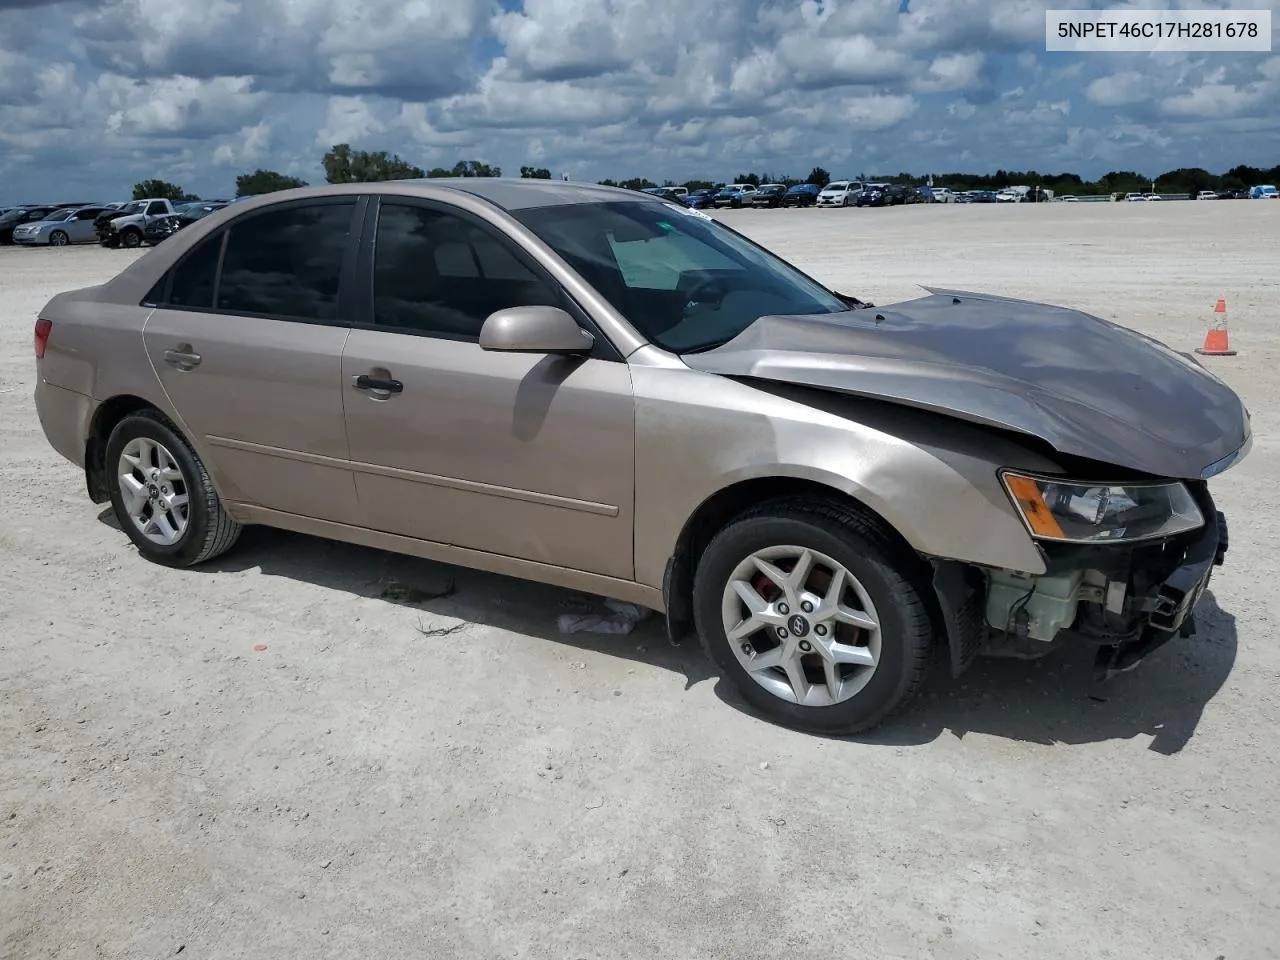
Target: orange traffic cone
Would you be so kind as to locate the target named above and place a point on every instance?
(1215, 341)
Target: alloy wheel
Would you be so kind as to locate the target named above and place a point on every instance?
(154, 491)
(801, 625)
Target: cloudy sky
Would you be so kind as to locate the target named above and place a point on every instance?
(97, 94)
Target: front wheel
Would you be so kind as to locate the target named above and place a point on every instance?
(162, 495)
(814, 616)
(131, 238)
(58, 239)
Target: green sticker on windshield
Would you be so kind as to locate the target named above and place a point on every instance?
(665, 226)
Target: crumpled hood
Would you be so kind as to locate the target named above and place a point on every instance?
(1087, 387)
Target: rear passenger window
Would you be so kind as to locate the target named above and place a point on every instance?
(193, 280)
(440, 274)
(287, 262)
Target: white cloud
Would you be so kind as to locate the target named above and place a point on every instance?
(1119, 89)
(105, 93)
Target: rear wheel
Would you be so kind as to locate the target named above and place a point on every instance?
(162, 495)
(814, 616)
(58, 239)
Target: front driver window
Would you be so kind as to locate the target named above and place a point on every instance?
(441, 274)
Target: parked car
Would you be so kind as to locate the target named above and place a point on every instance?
(703, 444)
(158, 229)
(897, 194)
(942, 195)
(698, 199)
(735, 195)
(60, 228)
(127, 227)
(17, 217)
(1206, 195)
(801, 195)
(769, 195)
(839, 193)
(1263, 192)
(872, 195)
(666, 193)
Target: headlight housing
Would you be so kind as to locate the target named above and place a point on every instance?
(1080, 512)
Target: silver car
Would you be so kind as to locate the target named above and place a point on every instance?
(60, 228)
(598, 389)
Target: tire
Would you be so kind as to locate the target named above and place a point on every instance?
(58, 239)
(130, 238)
(209, 529)
(886, 577)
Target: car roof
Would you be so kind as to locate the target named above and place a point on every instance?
(510, 193)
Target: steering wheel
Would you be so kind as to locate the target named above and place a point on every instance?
(709, 291)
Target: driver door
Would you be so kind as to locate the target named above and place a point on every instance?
(517, 454)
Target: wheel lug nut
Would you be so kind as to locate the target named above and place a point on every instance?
(783, 609)
(806, 646)
(820, 630)
(747, 650)
(782, 633)
(807, 607)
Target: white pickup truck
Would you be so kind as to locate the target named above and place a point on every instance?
(125, 228)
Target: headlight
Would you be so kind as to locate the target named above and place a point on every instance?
(1093, 513)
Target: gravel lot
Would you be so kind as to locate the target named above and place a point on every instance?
(403, 775)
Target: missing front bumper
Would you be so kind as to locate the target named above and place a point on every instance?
(1173, 609)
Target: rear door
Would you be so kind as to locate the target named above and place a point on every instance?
(523, 455)
(247, 341)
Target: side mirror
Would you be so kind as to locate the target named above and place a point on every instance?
(534, 330)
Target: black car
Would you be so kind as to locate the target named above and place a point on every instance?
(896, 194)
(19, 216)
(801, 195)
(770, 195)
(159, 229)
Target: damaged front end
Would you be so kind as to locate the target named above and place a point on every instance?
(1128, 598)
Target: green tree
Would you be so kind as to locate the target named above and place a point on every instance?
(751, 178)
(344, 165)
(265, 181)
(535, 173)
(819, 176)
(160, 189)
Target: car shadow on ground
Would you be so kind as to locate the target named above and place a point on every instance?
(440, 590)
(1059, 700)
(1056, 700)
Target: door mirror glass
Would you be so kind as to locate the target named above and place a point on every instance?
(534, 330)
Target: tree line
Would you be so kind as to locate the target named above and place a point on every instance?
(343, 164)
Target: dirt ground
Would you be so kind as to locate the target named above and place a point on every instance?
(405, 774)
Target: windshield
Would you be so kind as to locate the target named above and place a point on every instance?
(685, 282)
(838, 185)
(137, 206)
(59, 215)
(801, 188)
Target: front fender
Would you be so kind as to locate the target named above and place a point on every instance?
(932, 478)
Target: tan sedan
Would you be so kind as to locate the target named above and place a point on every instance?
(595, 388)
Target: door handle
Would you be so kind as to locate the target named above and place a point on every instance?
(184, 358)
(366, 382)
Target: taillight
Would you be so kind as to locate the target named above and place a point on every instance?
(43, 328)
